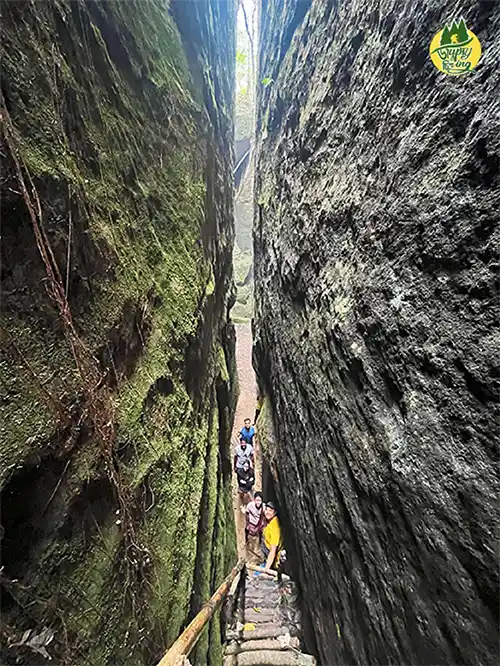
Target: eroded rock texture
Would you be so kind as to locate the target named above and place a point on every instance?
(117, 367)
(376, 266)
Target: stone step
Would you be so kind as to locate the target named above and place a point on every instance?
(263, 587)
(262, 576)
(270, 658)
(264, 616)
(263, 598)
(277, 616)
(266, 610)
(266, 630)
(262, 603)
(262, 594)
(261, 610)
(261, 644)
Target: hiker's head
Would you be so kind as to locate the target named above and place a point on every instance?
(269, 510)
(246, 465)
(247, 423)
(257, 498)
(243, 443)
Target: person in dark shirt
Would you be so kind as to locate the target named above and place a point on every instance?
(246, 478)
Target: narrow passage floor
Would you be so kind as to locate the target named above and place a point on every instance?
(266, 626)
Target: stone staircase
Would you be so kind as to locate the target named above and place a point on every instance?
(266, 624)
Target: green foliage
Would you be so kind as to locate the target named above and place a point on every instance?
(242, 310)
(241, 58)
(266, 81)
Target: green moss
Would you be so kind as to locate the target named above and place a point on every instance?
(37, 373)
(221, 357)
(224, 557)
(206, 544)
(266, 436)
(216, 649)
(242, 261)
(210, 284)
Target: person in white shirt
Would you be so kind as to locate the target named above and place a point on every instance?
(242, 453)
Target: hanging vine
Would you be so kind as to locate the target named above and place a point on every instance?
(98, 410)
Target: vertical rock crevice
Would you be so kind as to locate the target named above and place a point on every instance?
(375, 238)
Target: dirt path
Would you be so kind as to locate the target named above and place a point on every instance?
(245, 408)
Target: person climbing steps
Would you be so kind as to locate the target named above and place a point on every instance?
(272, 544)
(246, 480)
(247, 432)
(243, 453)
(254, 524)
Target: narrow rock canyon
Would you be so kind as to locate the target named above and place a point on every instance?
(366, 296)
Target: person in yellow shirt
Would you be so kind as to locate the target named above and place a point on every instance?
(272, 544)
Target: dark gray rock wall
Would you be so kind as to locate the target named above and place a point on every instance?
(376, 248)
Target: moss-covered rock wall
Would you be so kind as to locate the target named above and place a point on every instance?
(117, 355)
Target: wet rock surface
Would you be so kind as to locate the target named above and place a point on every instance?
(376, 249)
